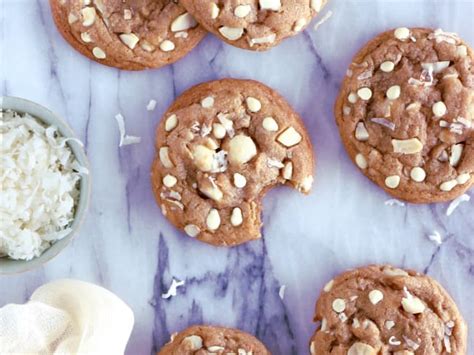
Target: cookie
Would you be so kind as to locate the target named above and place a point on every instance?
(384, 310)
(201, 339)
(129, 34)
(254, 24)
(220, 147)
(405, 113)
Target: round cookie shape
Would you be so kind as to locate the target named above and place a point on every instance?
(220, 147)
(380, 309)
(129, 34)
(406, 114)
(254, 24)
(202, 339)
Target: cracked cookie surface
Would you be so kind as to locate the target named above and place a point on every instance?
(384, 310)
(405, 113)
(220, 147)
(201, 340)
(255, 24)
(130, 34)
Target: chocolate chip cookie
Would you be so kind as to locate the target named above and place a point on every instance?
(201, 339)
(127, 34)
(406, 111)
(254, 24)
(385, 310)
(220, 147)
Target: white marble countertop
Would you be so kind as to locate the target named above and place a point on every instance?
(126, 244)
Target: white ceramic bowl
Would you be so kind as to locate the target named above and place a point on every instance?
(9, 266)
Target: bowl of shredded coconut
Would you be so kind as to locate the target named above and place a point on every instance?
(44, 185)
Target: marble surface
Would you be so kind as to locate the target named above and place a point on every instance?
(127, 246)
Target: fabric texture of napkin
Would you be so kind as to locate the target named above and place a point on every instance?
(66, 317)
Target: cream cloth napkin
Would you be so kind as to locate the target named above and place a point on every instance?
(66, 317)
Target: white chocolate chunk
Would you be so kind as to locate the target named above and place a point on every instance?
(361, 132)
(239, 180)
(72, 18)
(448, 185)
(387, 66)
(253, 104)
(194, 341)
(218, 130)
(129, 39)
(402, 33)
(328, 286)
(394, 92)
(461, 51)
(392, 182)
(274, 5)
(439, 109)
(207, 102)
(214, 10)
(231, 33)
(165, 158)
(147, 46)
(270, 124)
(167, 46)
(241, 149)
(375, 296)
(306, 184)
(183, 22)
(463, 178)
(418, 174)
(389, 324)
(212, 191)
(193, 231)
(338, 305)
(289, 137)
(288, 171)
(169, 181)
(171, 123)
(299, 24)
(98, 53)
(127, 14)
(359, 348)
(316, 5)
(436, 67)
(213, 220)
(352, 98)
(88, 16)
(265, 39)
(407, 146)
(413, 305)
(215, 348)
(86, 37)
(364, 93)
(242, 10)
(456, 154)
(236, 219)
(203, 158)
(361, 161)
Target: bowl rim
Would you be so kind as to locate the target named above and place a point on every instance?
(10, 266)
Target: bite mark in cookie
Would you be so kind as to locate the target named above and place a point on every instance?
(220, 147)
(132, 35)
(200, 339)
(385, 310)
(256, 24)
(405, 114)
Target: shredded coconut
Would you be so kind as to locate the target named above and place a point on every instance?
(151, 105)
(394, 202)
(39, 186)
(125, 139)
(281, 291)
(172, 291)
(326, 17)
(456, 202)
(435, 237)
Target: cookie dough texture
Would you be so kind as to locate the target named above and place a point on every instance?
(385, 310)
(201, 339)
(256, 24)
(220, 147)
(405, 113)
(129, 34)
